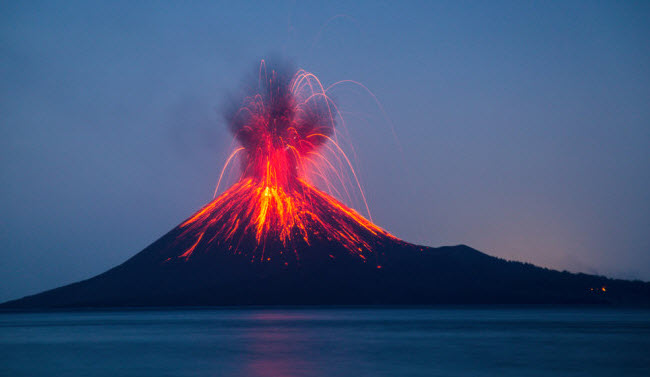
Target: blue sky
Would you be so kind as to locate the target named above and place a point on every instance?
(524, 127)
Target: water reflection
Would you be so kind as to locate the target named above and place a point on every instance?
(327, 342)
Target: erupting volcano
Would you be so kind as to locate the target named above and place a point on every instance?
(281, 234)
(274, 211)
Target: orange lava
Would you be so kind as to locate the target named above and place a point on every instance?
(280, 218)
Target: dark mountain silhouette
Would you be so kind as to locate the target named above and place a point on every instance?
(273, 238)
(323, 271)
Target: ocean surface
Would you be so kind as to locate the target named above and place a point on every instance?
(328, 342)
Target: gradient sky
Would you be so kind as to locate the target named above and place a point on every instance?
(524, 127)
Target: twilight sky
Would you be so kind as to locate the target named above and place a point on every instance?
(524, 128)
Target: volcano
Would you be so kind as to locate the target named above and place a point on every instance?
(275, 238)
(333, 256)
(195, 266)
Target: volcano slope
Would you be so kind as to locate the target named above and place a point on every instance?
(333, 256)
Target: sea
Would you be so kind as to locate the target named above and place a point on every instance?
(328, 342)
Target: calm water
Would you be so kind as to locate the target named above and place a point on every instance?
(328, 342)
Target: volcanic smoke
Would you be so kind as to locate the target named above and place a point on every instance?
(285, 126)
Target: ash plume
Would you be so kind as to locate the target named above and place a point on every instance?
(279, 116)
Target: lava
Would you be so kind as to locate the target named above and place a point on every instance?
(286, 130)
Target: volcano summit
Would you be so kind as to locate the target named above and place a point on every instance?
(274, 238)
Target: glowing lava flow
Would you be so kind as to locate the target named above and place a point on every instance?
(274, 211)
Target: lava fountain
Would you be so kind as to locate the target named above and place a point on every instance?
(285, 128)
